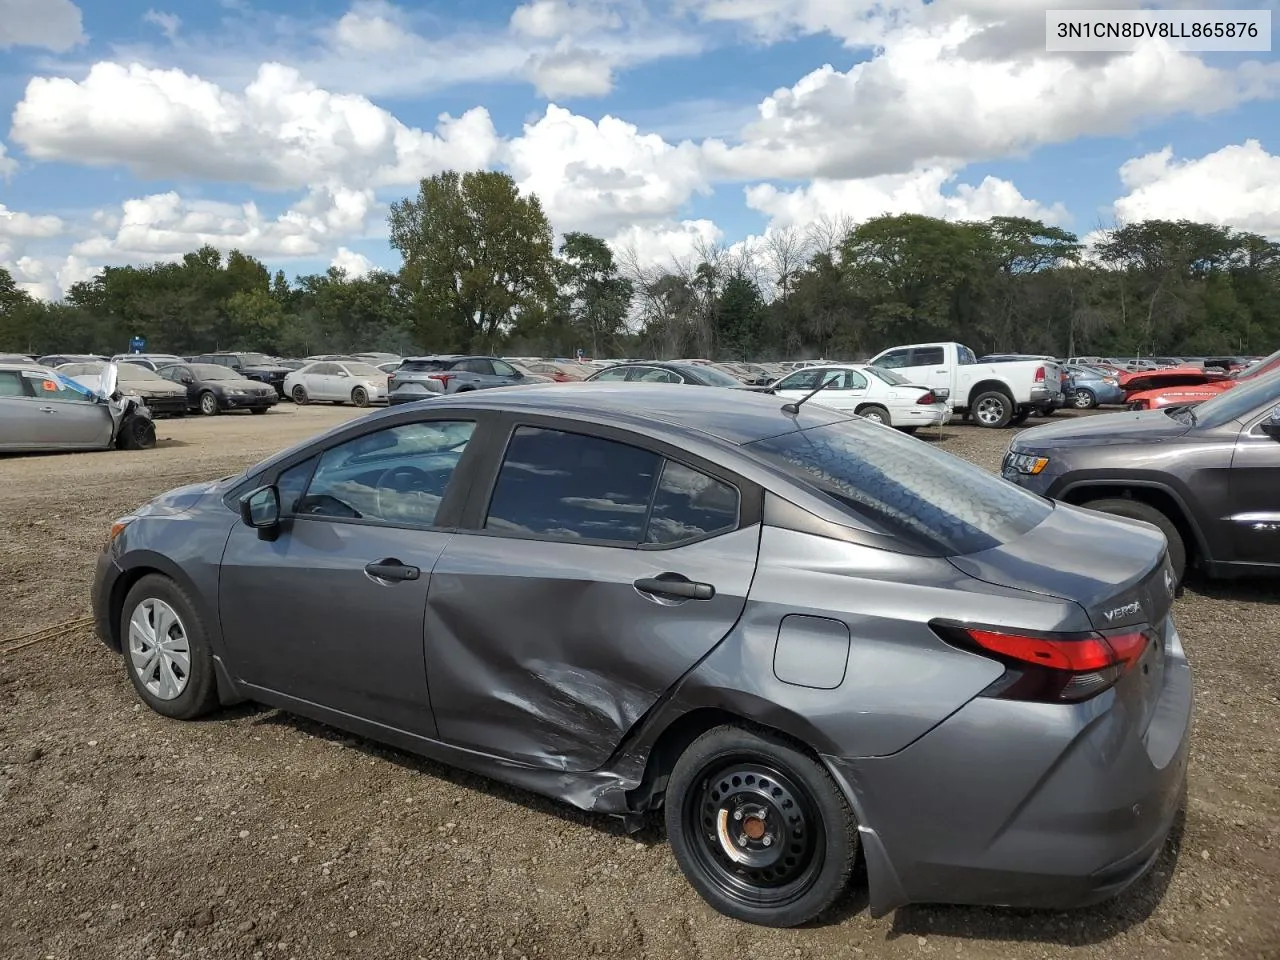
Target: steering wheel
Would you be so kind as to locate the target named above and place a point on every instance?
(389, 480)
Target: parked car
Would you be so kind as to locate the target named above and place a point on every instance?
(42, 410)
(55, 360)
(389, 366)
(808, 640)
(871, 392)
(1182, 395)
(161, 397)
(1205, 476)
(255, 366)
(561, 371)
(213, 389)
(995, 394)
(1089, 387)
(148, 361)
(658, 371)
(421, 377)
(348, 382)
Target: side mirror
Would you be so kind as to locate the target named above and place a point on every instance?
(1271, 425)
(187, 378)
(260, 509)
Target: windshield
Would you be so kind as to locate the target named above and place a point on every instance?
(133, 373)
(363, 370)
(81, 369)
(714, 377)
(888, 376)
(212, 371)
(1238, 402)
(904, 488)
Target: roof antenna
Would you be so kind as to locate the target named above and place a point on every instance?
(794, 407)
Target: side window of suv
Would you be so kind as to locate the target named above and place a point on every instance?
(475, 365)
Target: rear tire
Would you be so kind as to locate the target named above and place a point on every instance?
(795, 853)
(300, 395)
(1084, 400)
(876, 414)
(1137, 510)
(993, 409)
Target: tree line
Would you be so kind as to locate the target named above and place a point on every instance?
(481, 272)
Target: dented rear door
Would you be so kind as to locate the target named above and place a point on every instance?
(545, 643)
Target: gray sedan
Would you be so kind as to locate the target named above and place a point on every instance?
(804, 637)
(41, 409)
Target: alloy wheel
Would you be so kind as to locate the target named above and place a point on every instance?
(159, 649)
(990, 410)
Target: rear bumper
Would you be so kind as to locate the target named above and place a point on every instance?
(413, 391)
(1024, 805)
(921, 416)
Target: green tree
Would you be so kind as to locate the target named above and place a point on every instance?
(596, 297)
(476, 255)
(740, 319)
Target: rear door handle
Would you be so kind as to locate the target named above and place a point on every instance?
(675, 585)
(391, 569)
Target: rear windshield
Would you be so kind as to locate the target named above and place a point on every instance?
(716, 377)
(420, 366)
(891, 377)
(902, 487)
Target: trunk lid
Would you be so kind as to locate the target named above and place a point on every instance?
(1116, 569)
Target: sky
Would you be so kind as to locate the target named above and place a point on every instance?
(138, 130)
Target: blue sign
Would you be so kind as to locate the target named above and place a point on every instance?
(137, 344)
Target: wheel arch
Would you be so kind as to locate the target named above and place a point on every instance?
(1153, 493)
(986, 386)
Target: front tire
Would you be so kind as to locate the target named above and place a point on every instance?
(258, 411)
(759, 828)
(1137, 510)
(137, 433)
(876, 414)
(993, 409)
(360, 397)
(166, 650)
(208, 404)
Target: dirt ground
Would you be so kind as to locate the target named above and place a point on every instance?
(255, 834)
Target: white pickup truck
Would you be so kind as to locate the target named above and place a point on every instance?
(998, 394)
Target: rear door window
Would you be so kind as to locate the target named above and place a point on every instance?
(902, 488)
(690, 505)
(927, 357)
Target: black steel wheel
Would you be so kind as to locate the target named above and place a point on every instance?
(759, 828)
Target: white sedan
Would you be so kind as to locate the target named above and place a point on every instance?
(345, 381)
(871, 392)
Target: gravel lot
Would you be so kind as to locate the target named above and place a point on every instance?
(258, 835)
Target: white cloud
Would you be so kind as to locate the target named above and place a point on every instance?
(372, 27)
(8, 165)
(24, 226)
(570, 71)
(48, 278)
(664, 244)
(353, 263)
(920, 101)
(1237, 186)
(281, 132)
(549, 19)
(164, 226)
(169, 23)
(52, 24)
(919, 192)
(602, 176)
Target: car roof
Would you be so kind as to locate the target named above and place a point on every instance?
(19, 367)
(674, 410)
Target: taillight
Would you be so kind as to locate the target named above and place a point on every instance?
(1052, 667)
(928, 399)
(442, 377)
(1039, 374)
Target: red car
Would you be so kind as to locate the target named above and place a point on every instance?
(1169, 394)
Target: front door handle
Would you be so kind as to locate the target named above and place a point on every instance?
(391, 569)
(675, 585)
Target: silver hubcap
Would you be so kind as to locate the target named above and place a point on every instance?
(1083, 401)
(873, 417)
(990, 410)
(208, 404)
(158, 649)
